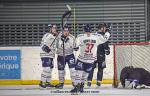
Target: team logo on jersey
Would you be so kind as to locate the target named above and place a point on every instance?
(89, 69)
(79, 65)
(72, 61)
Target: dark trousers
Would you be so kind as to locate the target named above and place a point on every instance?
(99, 72)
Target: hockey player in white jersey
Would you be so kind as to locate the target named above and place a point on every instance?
(47, 54)
(87, 46)
(67, 54)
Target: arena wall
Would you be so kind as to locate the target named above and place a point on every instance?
(31, 67)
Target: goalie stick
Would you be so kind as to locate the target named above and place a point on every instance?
(66, 16)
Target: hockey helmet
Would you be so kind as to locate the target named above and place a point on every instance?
(66, 28)
(109, 27)
(52, 26)
(102, 25)
(87, 28)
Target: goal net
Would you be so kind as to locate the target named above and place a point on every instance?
(130, 54)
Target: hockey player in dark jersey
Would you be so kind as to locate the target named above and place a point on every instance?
(132, 77)
(102, 50)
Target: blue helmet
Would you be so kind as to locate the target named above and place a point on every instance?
(102, 25)
(87, 28)
(66, 27)
(52, 26)
(109, 27)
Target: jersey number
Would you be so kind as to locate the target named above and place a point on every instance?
(89, 47)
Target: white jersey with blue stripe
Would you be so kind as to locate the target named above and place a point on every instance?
(47, 40)
(88, 46)
(68, 45)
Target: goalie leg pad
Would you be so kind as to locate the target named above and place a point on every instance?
(131, 83)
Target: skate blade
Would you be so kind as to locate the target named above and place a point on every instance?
(75, 93)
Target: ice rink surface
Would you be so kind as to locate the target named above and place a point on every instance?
(104, 90)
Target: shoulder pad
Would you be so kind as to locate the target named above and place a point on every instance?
(71, 36)
(80, 35)
(107, 33)
(47, 34)
(93, 34)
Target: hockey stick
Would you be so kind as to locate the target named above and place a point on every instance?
(66, 15)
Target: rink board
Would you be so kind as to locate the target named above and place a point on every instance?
(31, 67)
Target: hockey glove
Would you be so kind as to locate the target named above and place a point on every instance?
(64, 38)
(107, 52)
(46, 49)
(76, 48)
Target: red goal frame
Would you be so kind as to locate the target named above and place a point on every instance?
(115, 81)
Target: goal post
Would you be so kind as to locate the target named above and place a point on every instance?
(130, 54)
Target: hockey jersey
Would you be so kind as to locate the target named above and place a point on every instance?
(69, 45)
(88, 46)
(48, 40)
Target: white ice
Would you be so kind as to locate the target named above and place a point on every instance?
(104, 90)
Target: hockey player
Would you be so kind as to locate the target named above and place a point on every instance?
(87, 45)
(102, 50)
(69, 43)
(132, 77)
(47, 54)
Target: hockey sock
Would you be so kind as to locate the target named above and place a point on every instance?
(78, 77)
(61, 75)
(49, 75)
(72, 74)
(46, 74)
(84, 76)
